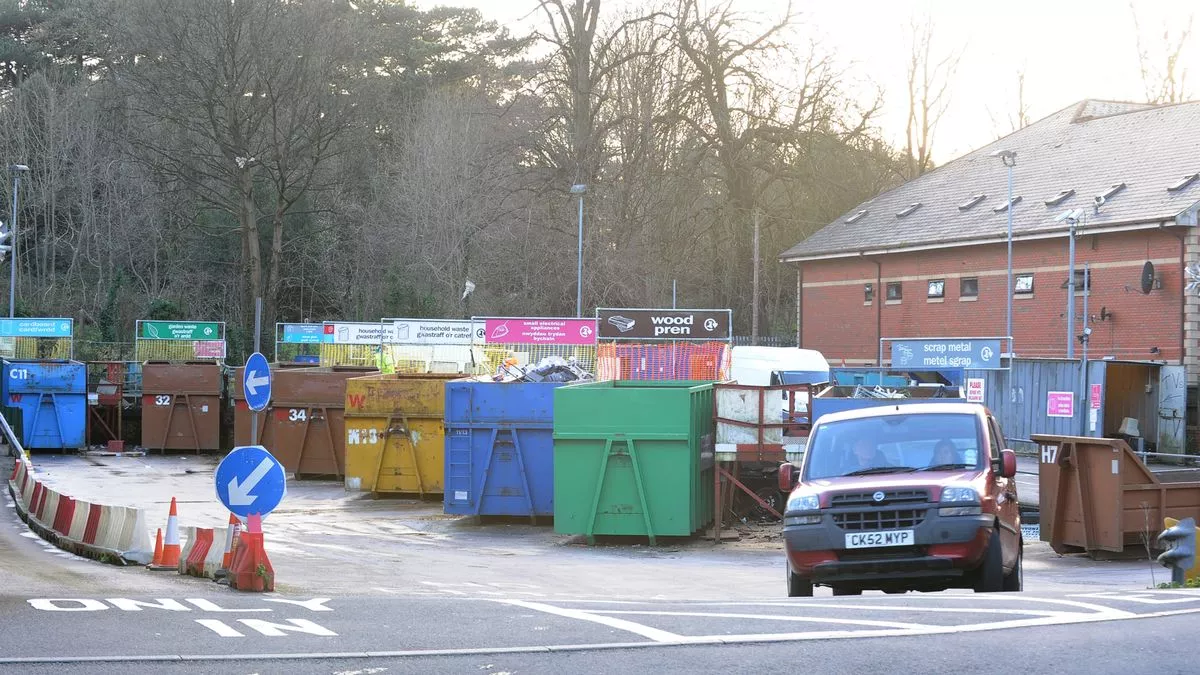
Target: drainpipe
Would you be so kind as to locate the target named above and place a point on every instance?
(1183, 296)
(879, 300)
(800, 306)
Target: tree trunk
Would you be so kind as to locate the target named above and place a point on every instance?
(249, 217)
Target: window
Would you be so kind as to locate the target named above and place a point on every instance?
(894, 291)
(869, 293)
(1004, 207)
(1110, 192)
(1023, 285)
(857, 216)
(937, 288)
(968, 287)
(1184, 182)
(995, 439)
(1059, 198)
(903, 442)
(971, 202)
(908, 209)
(1083, 281)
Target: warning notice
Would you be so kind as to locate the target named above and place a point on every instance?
(975, 391)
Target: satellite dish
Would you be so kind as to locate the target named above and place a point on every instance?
(1147, 277)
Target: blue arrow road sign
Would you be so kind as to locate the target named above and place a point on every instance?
(256, 382)
(249, 480)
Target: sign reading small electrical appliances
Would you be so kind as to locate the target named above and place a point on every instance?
(951, 353)
(664, 324)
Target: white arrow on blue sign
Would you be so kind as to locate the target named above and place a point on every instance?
(256, 382)
(250, 481)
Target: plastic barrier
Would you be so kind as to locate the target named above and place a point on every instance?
(211, 563)
(1097, 495)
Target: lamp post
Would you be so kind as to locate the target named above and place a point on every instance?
(17, 170)
(579, 189)
(1009, 157)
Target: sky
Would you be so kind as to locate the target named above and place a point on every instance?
(1069, 50)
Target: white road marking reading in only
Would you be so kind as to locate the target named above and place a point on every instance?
(769, 617)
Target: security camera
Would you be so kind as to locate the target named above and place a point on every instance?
(1071, 216)
(1087, 331)
(1099, 201)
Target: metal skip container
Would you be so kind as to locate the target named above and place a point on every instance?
(47, 402)
(394, 433)
(181, 406)
(303, 427)
(633, 458)
(500, 448)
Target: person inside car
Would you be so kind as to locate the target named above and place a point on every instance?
(945, 453)
(864, 455)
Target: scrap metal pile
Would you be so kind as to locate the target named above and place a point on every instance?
(549, 369)
(862, 391)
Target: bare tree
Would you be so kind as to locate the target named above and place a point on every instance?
(929, 93)
(1163, 74)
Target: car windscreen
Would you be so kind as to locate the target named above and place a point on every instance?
(894, 443)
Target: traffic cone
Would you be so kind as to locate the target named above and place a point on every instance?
(156, 561)
(170, 545)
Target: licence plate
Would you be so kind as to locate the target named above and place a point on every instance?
(879, 539)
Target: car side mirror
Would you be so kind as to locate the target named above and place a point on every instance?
(1008, 463)
(788, 477)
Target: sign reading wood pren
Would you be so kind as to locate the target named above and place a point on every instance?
(665, 324)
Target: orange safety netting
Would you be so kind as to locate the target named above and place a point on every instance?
(663, 361)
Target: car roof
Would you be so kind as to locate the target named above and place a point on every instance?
(905, 409)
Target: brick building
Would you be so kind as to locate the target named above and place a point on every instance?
(929, 259)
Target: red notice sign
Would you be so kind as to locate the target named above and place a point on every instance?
(975, 391)
(1060, 404)
(1095, 397)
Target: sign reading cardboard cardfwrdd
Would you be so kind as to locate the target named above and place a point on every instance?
(179, 330)
(664, 324)
(947, 353)
(49, 328)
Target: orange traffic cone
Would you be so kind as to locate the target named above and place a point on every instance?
(170, 544)
(157, 560)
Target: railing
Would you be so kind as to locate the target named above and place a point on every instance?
(14, 444)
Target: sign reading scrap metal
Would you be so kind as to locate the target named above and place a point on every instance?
(947, 353)
(664, 324)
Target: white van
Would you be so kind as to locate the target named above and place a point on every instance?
(769, 366)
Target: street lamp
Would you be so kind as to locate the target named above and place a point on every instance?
(579, 189)
(17, 170)
(1009, 157)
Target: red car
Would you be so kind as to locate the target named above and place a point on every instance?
(915, 496)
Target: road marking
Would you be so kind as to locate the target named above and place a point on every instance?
(1140, 598)
(209, 606)
(281, 630)
(620, 624)
(137, 605)
(835, 605)
(770, 617)
(316, 604)
(219, 627)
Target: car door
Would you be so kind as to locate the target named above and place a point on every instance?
(1005, 492)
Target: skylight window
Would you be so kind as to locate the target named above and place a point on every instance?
(1004, 207)
(971, 202)
(1184, 182)
(1110, 192)
(1059, 198)
(856, 217)
(908, 209)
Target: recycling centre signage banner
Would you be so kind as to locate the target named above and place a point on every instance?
(170, 330)
(665, 324)
(979, 354)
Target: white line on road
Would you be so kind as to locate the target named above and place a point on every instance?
(770, 617)
(645, 631)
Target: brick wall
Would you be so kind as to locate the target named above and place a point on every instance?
(840, 323)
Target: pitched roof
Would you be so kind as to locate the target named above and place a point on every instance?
(1088, 147)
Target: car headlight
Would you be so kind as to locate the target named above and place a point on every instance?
(967, 499)
(803, 503)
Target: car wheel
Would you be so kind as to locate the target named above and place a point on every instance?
(990, 575)
(798, 586)
(1015, 580)
(847, 590)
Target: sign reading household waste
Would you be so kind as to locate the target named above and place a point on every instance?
(250, 481)
(349, 333)
(169, 330)
(1060, 404)
(540, 331)
(430, 332)
(975, 390)
(664, 324)
(947, 353)
(49, 328)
